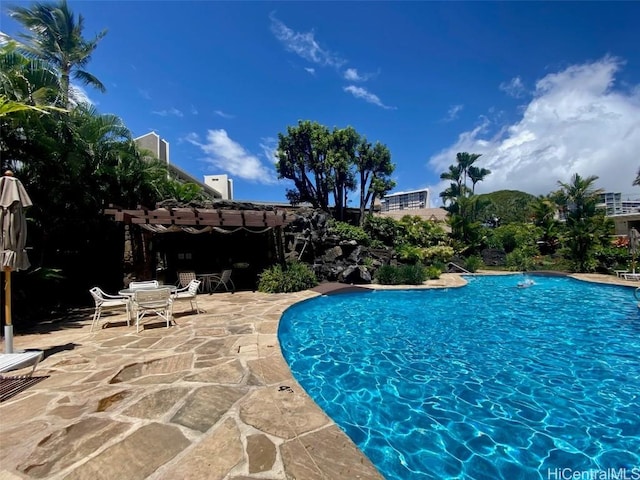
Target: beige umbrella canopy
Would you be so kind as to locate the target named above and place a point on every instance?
(13, 238)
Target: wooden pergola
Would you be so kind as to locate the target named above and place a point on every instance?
(203, 217)
(224, 218)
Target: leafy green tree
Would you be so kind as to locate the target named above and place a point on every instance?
(302, 157)
(374, 167)
(55, 36)
(343, 145)
(585, 226)
(324, 165)
(543, 212)
(461, 202)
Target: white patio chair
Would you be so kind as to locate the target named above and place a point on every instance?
(222, 280)
(189, 293)
(104, 300)
(144, 284)
(157, 301)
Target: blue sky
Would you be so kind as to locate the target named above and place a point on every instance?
(542, 89)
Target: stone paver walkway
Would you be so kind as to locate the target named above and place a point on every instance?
(209, 398)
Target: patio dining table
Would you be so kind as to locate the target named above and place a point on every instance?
(206, 278)
(128, 292)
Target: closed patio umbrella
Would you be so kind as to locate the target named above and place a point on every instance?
(634, 244)
(13, 237)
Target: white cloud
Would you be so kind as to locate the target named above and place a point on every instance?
(367, 96)
(304, 44)
(269, 146)
(172, 111)
(310, 70)
(576, 122)
(222, 114)
(194, 110)
(514, 87)
(353, 75)
(144, 94)
(452, 113)
(227, 155)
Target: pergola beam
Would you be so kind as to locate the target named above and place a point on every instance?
(201, 217)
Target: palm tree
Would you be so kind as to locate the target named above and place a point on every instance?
(56, 37)
(584, 227)
(580, 195)
(637, 180)
(476, 175)
(465, 161)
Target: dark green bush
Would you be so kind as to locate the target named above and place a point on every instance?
(382, 230)
(521, 259)
(388, 275)
(402, 275)
(413, 274)
(473, 263)
(295, 277)
(347, 231)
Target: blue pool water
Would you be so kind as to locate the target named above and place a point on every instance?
(487, 381)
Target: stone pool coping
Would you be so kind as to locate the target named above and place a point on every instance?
(210, 398)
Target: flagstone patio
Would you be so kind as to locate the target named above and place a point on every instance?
(209, 398)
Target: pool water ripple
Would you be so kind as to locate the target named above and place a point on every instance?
(484, 381)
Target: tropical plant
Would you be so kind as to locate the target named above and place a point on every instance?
(293, 277)
(586, 227)
(423, 233)
(473, 263)
(401, 275)
(383, 229)
(433, 272)
(55, 36)
(460, 201)
(521, 259)
(346, 231)
(511, 236)
(438, 254)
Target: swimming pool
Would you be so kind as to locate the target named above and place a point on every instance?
(484, 381)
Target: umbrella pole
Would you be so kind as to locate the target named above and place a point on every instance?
(8, 326)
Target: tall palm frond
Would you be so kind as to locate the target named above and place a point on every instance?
(56, 37)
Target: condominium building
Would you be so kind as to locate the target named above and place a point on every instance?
(614, 204)
(411, 200)
(216, 187)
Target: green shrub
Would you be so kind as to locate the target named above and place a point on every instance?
(348, 232)
(438, 253)
(382, 230)
(473, 263)
(521, 259)
(295, 277)
(433, 272)
(413, 274)
(388, 275)
(402, 275)
(410, 253)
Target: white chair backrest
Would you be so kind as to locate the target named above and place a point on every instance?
(151, 298)
(185, 277)
(144, 284)
(97, 294)
(193, 287)
(226, 275)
